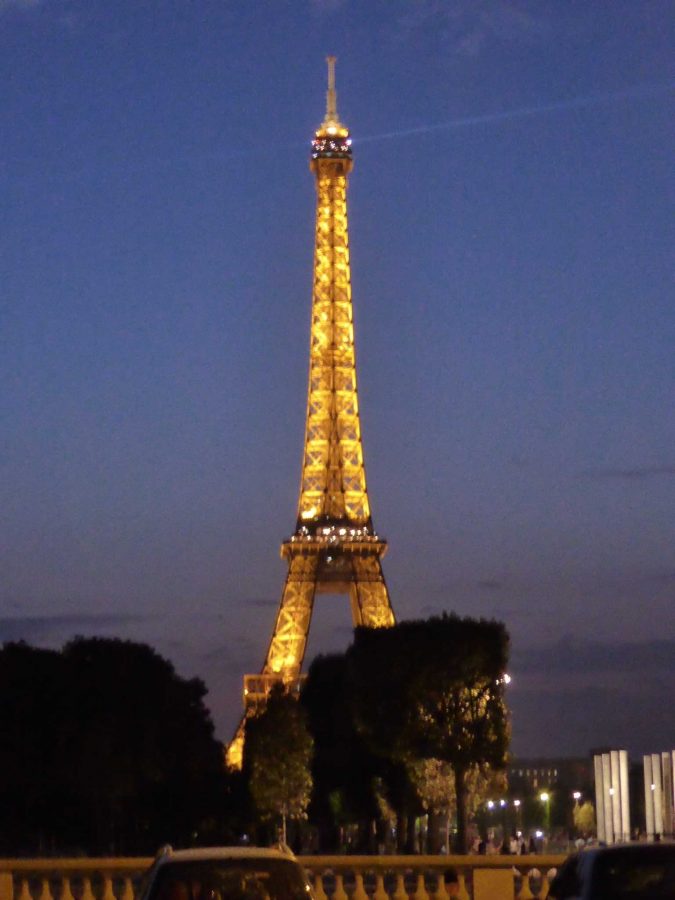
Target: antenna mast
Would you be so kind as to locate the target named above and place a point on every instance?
(331, 93)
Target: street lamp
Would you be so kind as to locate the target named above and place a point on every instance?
(545, 799)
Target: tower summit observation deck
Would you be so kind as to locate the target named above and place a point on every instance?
(334, 549)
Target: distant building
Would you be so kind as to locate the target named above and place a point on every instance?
(562, 774)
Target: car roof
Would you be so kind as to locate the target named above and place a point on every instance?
(633, 847)
(200, 854)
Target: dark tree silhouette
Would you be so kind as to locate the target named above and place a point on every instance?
(109, 750)
(344, 768)
(433, 689)
(33, 798)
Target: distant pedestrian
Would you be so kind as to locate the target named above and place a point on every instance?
(532, 846)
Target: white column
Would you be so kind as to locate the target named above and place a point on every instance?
(612, 800)
(600, 799)
(668, 773)
(658, 794)
(649, 797)
(607, 797)
(625, 795)
(615, 794)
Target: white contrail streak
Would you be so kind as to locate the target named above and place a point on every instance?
(525, 112)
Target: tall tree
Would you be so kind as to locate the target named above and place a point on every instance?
(434, 689)
(118, 748)
(351, 782)
(277, 756)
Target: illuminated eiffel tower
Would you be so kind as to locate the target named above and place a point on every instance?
(334, 549)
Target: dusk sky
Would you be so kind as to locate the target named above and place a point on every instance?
(511, 227)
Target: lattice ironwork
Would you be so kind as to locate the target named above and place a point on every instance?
(334, 548)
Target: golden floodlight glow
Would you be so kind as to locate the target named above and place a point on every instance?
(335, 548)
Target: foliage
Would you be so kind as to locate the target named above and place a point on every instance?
(104, 748)
(434, 783)
(434, 690)
(277, 756)
(344, 770)
(584, 818)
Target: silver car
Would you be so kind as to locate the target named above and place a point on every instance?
(226, 873)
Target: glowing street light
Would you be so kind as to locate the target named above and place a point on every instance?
(545, 798)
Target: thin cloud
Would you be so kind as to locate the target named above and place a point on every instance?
(525, 112)
(490, 584)
(661, 578)
(572, 721)
(33, 628)
(19, 4)
(261, 602)
(569, 655)
(469, 27)
(239, 648)
(326, 6)
(635, 474)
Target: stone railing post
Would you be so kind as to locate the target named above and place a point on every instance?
(6, 886)
(492, 884)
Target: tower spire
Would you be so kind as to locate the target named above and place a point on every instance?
(331, 125)
(331, 93)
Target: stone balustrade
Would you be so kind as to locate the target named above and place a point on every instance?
(333, 877)
(421, 877)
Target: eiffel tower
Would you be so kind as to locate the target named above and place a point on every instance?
(334, 548)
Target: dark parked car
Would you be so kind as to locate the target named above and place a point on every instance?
(618, 872)
(226, 873)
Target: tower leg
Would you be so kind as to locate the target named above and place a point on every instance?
(368, 594)
(291, 629)
(287, 647)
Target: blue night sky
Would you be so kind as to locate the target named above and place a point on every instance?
(511, 213)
